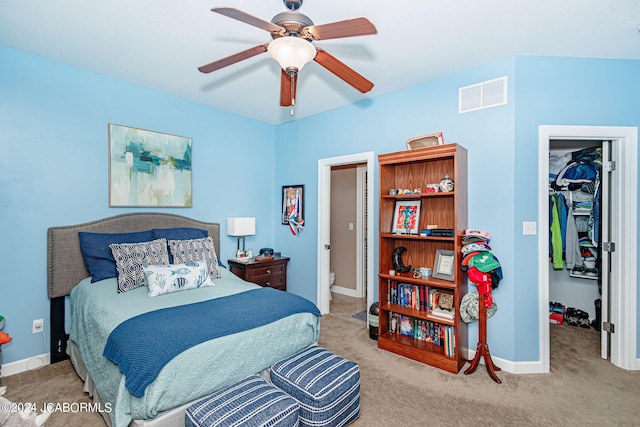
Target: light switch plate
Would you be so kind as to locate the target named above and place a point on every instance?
(529, 228)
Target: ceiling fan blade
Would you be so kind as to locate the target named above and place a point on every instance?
(341, 70)
(241, 16)
(232, 59)
(286, 94)
(334, 30)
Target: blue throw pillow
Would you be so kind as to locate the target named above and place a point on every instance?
(97, 254)
(184, 233)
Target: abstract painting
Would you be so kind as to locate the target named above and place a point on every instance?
(148, 169)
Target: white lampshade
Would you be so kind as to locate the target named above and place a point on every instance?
(292, 52)
(241, 226)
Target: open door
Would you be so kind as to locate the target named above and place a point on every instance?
(605, 254)
(621, 260)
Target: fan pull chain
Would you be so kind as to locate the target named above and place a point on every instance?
(293, 98)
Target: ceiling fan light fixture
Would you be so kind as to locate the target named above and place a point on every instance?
(292, 52)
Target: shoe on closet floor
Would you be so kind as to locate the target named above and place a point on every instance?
(556, 307)
(570, 316)
(583, 319)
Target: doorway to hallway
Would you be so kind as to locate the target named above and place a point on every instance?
(324, 226)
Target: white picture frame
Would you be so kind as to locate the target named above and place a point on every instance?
(406, 217)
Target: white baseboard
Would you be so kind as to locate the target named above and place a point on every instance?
(532, 367)
(30, 364)
(344, 291)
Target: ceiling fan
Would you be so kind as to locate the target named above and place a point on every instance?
(292, 34)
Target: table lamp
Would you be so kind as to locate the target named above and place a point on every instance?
(241, 227)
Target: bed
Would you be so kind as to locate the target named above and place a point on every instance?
(152, 392)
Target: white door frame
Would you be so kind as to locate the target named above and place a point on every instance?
(361, 239)
(324, 221)
(625, 206)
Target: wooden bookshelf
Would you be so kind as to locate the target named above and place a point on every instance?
(411, 169)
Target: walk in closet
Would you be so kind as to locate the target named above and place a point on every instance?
(575, 219)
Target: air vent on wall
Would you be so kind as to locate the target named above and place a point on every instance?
(482, 95)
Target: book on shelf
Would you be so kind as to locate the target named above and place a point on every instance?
(441, 304)
(407, 295)
(394, 318)
(443, 314)
(449, 339)
(406, 326)
(423, 330)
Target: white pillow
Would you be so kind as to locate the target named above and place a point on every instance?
(164, 279)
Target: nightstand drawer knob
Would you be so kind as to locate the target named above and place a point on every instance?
(268, 271)
(268, 283)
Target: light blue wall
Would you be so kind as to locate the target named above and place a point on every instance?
(53, 170)
(502, 144)
(559, 91)
(383, 125)
(53, 166)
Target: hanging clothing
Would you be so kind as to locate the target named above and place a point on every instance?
(573, 255)
(563, 215)
(574, 206)
(556, 236)
(594, 223)
(557, 163)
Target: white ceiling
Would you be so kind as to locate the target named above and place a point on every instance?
(160, 43)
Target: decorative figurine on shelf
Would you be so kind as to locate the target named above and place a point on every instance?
(446, 184)
(431, 188)
(396, 259)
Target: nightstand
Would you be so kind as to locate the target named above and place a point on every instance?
(272, 273)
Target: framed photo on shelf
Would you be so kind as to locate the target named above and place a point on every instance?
(443, 267)
(406, 217)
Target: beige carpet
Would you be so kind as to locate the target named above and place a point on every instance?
(581, 390)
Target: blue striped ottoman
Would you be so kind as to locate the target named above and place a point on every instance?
(251, 402)
(326, 386)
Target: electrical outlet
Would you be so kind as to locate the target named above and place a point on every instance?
(38, 326)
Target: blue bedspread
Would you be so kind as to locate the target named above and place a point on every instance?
(134, 345)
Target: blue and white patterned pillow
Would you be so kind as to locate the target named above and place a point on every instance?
(131, 257)
(164, 279)
(184, 251)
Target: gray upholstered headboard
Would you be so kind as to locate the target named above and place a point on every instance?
(65, 264)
